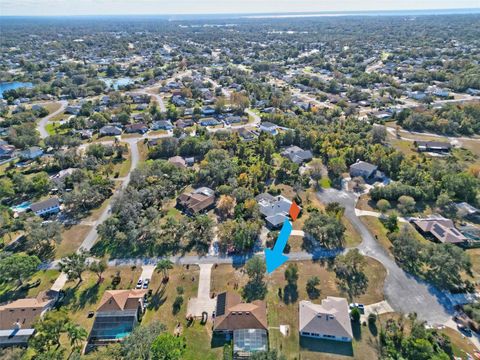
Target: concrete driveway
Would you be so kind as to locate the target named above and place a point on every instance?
(203, 302)
(404, 292)
(147, 272)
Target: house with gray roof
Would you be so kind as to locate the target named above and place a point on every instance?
(365, 170)
(297, 154)
(109, 130)
(329, 320)
(46, 207)
(275, 209)
(269, 128)
(31, 153)
(433, 146)
(439, 229)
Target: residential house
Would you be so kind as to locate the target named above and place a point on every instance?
(116, 317)
(208, 110)
(417, 95)
(297, 155)
(234, 120)
(46, 207)
(330, 320)
(275, 209)
(178, 100)
(6, 151)
(162, 125)
(17, 318)
(269, 128)
(31, 153)
(209, 122)
(178, 161)
(73, 109)
(247, 322)
(439, 229)
(365, 170)
(109, 130)
(199, 201)
(139, 128)
(466, 210)
(246, 135)
(61, 175)
(184, 123)
(86, 134)
(433, 146)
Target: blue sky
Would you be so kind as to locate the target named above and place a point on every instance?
(120, 7)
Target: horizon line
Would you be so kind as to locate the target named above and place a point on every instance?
(257, 14)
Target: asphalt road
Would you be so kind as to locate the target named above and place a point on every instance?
(404, 292)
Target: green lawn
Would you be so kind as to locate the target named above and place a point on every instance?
(10, 292)
(53, 128)
(325, 183)
(281, 313)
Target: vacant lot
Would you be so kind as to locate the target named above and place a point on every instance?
(72, 238)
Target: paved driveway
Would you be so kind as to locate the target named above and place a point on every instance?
(203, 302)
(404, 292)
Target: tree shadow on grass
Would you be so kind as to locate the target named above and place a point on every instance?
(290, 294)
(357, 330)
(88, 296)
(158, 298)
(373, 328)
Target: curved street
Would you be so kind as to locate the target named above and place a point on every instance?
(404, 292)
(42, 124)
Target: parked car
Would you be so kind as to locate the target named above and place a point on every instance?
(139, 283)
(464, 329)
(146, 283)
(360, 307)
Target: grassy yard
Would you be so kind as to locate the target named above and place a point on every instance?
(365, 203)
(143, 150)
(475, 258)
(377, 229)
(54, 128)
(198, 336)
(352, 237)
(52, 107)
(72, 238)
(282, 313)
(403, 146)
(10, 292)
(460, 344)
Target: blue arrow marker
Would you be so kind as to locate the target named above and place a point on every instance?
(274, 257)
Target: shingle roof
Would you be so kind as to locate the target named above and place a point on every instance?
(330, 318)
(118, 300)
(23, 311)
(232, 314)
(363, 166)
(442, 229)
(42, 205)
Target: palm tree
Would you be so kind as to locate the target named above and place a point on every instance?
(76, 334)
(163, 266)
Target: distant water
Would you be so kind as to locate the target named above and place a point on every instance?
(4, 86)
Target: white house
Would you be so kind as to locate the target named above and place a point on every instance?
(330, 320)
